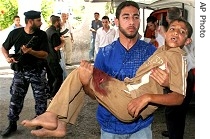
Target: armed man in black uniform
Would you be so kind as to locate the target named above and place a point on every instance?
(28, 63)
(55, 75)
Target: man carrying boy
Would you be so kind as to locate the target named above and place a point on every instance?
(138, 93)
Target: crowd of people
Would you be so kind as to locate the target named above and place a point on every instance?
(124, 66)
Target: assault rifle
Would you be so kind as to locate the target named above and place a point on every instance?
(18, 55)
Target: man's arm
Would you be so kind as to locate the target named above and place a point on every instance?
(6, 55)
(161, 76)
(70, 31)
(72, 38)
(61, 45)
(92, 30)
(38, 54)
(91, 27)
(97, 41)
(57, 42)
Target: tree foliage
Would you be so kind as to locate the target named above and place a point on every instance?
(46, 9)
(9, 8)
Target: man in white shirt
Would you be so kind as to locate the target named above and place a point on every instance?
(66, 31)
(104, 35)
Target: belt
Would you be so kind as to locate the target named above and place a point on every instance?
(66, 36)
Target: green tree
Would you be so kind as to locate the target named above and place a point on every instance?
(9, 8)
(46, 9)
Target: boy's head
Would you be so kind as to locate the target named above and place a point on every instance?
(178, 34)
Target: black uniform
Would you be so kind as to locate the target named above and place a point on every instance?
(55, 75)
(29, 70)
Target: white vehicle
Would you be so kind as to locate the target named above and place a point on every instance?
(158, 8)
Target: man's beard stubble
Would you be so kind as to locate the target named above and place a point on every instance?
(35, 28)
(130, 36)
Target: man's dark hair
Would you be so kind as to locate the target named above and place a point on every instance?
(105, 17)
(54, 19)
(174, 13)
(125, 4)
(151, 19)
(16, 16)
(96, 13)
(189, 27)
(52, 16)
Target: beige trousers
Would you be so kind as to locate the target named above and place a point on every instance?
(68, 50)
(68, 101)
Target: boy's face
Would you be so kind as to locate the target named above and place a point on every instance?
(176, 36)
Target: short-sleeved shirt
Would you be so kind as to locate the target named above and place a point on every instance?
(18, 37)
(68, 26)
(95, 25)
(54, 41)
(119, 63)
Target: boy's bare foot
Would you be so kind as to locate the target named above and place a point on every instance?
(46, 120)
(60, 131)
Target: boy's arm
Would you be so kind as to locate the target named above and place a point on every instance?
(177, 83)
(170, 99)
(89, 91)
(85, 74)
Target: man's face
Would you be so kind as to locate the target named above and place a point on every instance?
(129, 21)
(17, 21)
(167, 19)
(105, 23)
(151, 26)
(64, 16)
(59, 24)
(176, 36)
(96, 16)
(36, 24)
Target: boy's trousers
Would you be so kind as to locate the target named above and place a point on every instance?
(69, 100)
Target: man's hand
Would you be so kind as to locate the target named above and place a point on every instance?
(161, 76)
(85, 72)
(62, 39)
(11, 60)
(26, 49)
